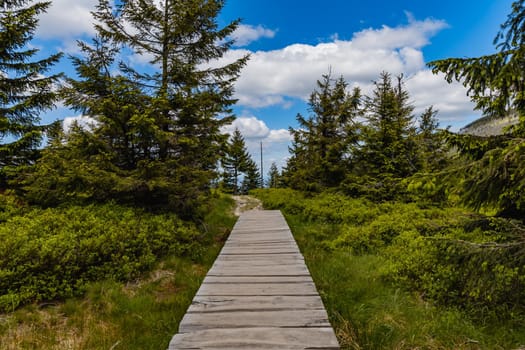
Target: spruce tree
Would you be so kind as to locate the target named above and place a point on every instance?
(25, 90)
(389, 148)
(274, 177)
(322, 146)
(235, 162)
(431, 142)
(490, 174)
(182, 39)
(252, 177)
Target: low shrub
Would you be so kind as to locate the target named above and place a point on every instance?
(52, 253)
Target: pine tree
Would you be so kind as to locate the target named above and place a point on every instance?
(157, 130)
(235, 162)
(181, 37)
(431, 142)
(389, 148)
(25, 91)
(322, 146)
(252, 177)
(274, 180)
(491, 174)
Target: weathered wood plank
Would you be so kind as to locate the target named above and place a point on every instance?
(211, 289)
(246, 319)
(257, 338)
(254, 303)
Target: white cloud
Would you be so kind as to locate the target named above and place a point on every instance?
(416, 35)
(450, 100)
(273, 78)
(250, 128)
(83, 121)
(275, 142)
(66, 19)
(246, 34)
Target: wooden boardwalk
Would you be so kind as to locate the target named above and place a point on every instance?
(257, 295)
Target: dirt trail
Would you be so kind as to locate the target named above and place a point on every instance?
(245, 203)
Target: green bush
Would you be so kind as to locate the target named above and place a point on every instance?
(447, 255)
(52, 253)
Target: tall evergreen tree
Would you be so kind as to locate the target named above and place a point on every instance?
(252, 177)
(235, 162)
(322, 146)
(25, 91)
(388, 148)
(274, 176)
(491, 174)
(431, 142)
(182, 38)
(159, 131)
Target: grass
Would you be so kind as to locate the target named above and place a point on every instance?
(140, 314)
(368, 312)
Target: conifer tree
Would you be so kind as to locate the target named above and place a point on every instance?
(235, 162)
(157, 129)
(431, 142)
(252, 177)
(274, 176)
(496, 82)
(389, 148)
(25, 90)
(322, 147)
(491, 174)
(182, 38)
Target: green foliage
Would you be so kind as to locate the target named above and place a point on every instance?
(319, 154)
(236, 162)
(25, 90)
(274, 177)
(156, 137)
(389, 146)
(142, 313)
(52, 253)
(450, 256)
(492, 180)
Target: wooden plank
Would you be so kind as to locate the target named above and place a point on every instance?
(246, 319)
(257, 279)
(254, 303)
(211, 289)
(288, 270)
(257, 338)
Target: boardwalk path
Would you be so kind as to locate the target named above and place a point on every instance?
(257, 295)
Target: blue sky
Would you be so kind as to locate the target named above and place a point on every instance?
(294, 42)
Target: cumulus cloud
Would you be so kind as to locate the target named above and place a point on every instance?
(255, 132)
(66, 19)
(246, 34)
(83, 121)
(450, 100)
(270, 76)
(274, 78)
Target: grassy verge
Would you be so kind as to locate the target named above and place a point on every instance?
(142, 313)
(369, 306)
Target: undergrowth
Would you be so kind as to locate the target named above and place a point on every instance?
(405, 276)
(136, 304)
